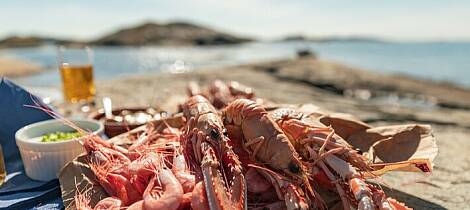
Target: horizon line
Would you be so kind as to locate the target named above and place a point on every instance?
(309, 37)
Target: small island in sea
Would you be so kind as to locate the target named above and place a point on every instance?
(150, 33)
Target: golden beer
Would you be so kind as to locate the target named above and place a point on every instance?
(77, 82)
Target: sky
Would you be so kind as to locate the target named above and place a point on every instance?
(263, 19)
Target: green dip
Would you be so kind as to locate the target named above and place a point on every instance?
(59, 136)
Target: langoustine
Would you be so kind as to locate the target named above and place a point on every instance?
(268, 145)
(206, 148)
(336, 161)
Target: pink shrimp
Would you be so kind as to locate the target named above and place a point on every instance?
(82, 202)
(182, 173)
(109, 203)
(199, 200)
(171, 196)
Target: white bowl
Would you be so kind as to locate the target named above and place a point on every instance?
(43, 160)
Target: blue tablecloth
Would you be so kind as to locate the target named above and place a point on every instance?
(20, 192)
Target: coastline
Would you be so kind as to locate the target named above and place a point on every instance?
(15, 67)
(373, 97)
(331, 78)
(430, 61)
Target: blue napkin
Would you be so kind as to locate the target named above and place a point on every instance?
(18, 191)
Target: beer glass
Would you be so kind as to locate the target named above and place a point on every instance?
(76, 69)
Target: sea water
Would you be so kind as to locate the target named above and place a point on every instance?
(440, 61)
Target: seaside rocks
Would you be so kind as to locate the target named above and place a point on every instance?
(16, 41)
(177, 33)
(306, 52)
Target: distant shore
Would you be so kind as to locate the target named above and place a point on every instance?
(144, 34)
(14, 67)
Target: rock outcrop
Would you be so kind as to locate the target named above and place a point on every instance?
(177, 33)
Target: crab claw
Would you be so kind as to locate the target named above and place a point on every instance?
(222, 193)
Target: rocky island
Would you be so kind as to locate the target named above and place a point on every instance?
(176, 33)
(18, 41)
(169, 34)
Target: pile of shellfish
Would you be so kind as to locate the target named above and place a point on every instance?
(228, 149)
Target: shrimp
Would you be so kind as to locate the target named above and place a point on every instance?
(109, 203)
(82, 202)
(110, 169)
(182, 173)
(171, 196)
